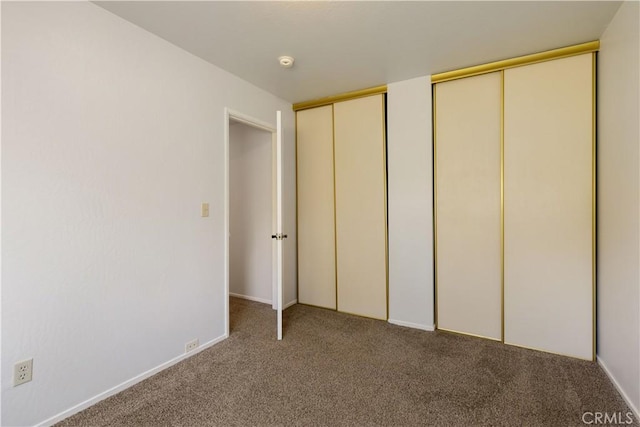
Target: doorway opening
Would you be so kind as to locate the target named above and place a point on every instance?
(251, 262)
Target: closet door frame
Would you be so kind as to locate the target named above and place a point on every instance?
(331, 101)
(574, 50)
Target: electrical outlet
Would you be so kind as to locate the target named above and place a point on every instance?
(22, 372)
(204, 210)
(191, 345)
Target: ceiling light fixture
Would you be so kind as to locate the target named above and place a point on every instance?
(286, 61)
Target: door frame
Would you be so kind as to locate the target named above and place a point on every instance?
(245, 119)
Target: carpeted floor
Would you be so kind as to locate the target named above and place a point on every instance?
(339, 370)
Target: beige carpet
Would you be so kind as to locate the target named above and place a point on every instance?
(339, 370)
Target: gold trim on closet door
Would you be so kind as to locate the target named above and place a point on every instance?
(519, 61)
(548, 205)
(435, 203)
(328, 100)
(335, 237)
(295, 119)
(360, 207)
(316, 214)
(594, 198)
(383, 111)
(468, 186)
(502, 205)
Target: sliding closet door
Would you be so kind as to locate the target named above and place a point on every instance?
(316, 221)
(548, 206)
(361, 229)
(468, 192)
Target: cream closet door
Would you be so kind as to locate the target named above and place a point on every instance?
(361, 230)
(316, 221)
(548, 143)
(468, 205)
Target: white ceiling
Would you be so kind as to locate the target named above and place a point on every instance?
(342, 46)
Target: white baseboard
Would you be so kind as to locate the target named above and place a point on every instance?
(620, 390)
(256, 299)
(120, 387)
(290, 303)
(429, 328)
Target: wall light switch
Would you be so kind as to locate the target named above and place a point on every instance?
(205, 209)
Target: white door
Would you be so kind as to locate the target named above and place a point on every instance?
(468, 180)
(548, 205)
(279, 236)
(360, 192)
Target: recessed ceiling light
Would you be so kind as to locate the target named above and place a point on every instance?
(286, 61)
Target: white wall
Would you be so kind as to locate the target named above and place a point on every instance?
(250, 213)
(111, 140)
(410, 199)
(619, 202)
